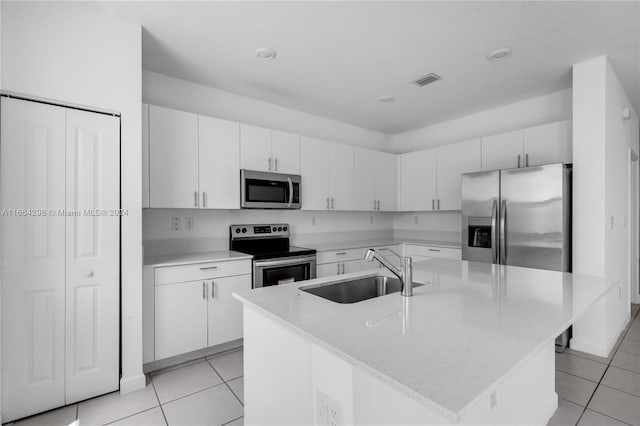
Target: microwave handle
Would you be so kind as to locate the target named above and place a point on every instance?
(290, 192)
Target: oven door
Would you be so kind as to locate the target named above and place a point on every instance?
(283, 270)
(264, 190)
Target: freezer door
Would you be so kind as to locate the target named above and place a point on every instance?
(535, 217)
(480, 216)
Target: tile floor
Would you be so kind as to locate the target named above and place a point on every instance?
(209, 391)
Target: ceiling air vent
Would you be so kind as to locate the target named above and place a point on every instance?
(427, 79)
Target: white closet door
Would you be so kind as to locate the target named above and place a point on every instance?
(92, 254)
(33, 288)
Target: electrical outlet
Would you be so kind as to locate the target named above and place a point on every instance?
(333, 413)
(188, 223)
(493, 400)
(175, 223)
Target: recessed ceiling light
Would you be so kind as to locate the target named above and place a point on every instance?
(266, 53)
(386, 98)
(499, 54)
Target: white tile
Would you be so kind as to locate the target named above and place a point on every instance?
(614, 403)
(634, 330)
(229, 365)
(627, 361)
(236, 422)
(630, 345)
(153, 417)
(623, 380)
(59, 417)
(237, 386)
(567, 414)
(214, 406)
(176, 383)
(115, 406)
(581, 367)
(591, 418)
(574, 389)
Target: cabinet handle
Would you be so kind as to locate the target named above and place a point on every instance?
(276, 161)
(438, 203)
(434, 250)
(340, 253)
(433, 204)
(204, 199)
(327, 203)
(213, 286)
(88, 273)
(204, 290)
(331, 203)
(375, 204)
(518, 160)
(208, 267)
(195, 198)
(378, 204)
(526, 159)
(343, 267)
(338, 268)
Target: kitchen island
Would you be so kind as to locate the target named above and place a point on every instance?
(474, 345)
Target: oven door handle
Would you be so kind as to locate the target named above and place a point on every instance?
(288, 261)
(290, 192)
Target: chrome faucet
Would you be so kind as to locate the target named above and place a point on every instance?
(405, 273)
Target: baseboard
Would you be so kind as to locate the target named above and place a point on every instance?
(190, 356)
(130, 384)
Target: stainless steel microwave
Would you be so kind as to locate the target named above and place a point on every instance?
(265, 190)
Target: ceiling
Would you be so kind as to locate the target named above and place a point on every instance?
(335, 59)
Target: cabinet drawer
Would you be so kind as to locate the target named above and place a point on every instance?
(201, 271)
(433, 251)
(338, 256)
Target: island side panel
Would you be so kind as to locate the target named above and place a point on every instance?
(277, 373)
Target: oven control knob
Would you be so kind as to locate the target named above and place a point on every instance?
(275, 229)
(244, 230)
(237, 230)
(279, 228)
(284, 229)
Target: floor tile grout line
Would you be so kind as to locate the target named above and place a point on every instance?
(610, 417)
(130, 415)
(579, 377)
(232, 420)
(234, 394)
(192, 393)
(159, 403)
(620, 390)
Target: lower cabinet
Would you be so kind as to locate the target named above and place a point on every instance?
(354, 260)
(420, 252)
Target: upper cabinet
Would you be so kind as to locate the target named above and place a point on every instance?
(269, 150)
(193, 160)
(533, 146)
(327, 175)
(145, 155)
(374, 180)
(453, 161)
(549, 143)
(418, 180)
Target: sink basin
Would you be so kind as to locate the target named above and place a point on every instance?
(358, 289)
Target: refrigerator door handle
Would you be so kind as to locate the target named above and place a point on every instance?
(494, 226)
(503, 233)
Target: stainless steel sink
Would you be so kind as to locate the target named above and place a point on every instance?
(357, 290)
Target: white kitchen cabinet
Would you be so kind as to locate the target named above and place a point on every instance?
(285, 150)
(453, 161)
(341, 176)
(173, 158)
(145, 155)
(547, 144)
(269, 150)
(433, 251)
(180, 318)
(314, 167)
(502, 151)
(60, 273)
(225, 312)
(418, 180)
(218, 163)
(374, 180)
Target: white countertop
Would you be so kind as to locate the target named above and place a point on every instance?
(451, 342)
(342, 245)
(190, 258)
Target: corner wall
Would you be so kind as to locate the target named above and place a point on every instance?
(74, 53)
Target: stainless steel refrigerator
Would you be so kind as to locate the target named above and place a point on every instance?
(519, 217)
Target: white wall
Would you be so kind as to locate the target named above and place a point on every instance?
(158, 89)
(601, 139)
(74, 53)
(528, 113)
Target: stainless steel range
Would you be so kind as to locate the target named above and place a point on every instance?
(275, 261)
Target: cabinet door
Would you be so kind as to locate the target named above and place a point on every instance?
(418, 180)
(364, 179)
(173, 158)
(314, 167)
(503, 151)
(386, 181)
(225, 312)
(92, 255)
(548, 144)
(180, 318)
(255, 148)
(285, 149)
(341, 176)
(453, 161)
(358, 266)
(219, 166)
(328, 270)
(32, 176)
(145, 155)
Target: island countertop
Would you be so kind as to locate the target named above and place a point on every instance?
(459, 335)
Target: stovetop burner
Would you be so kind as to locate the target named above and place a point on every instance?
(265, 241)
